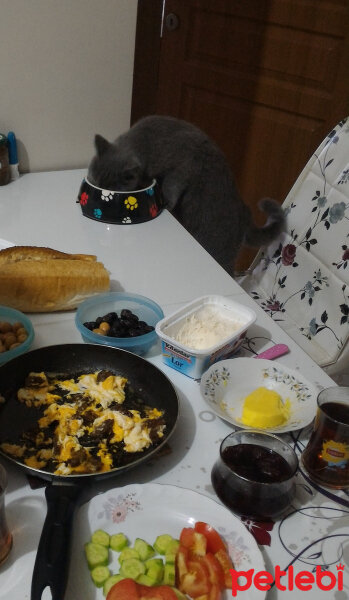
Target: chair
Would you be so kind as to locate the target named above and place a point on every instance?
(302, 279)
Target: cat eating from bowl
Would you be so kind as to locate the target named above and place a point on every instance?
(196, 182)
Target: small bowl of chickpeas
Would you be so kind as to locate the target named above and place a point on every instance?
(16, 333)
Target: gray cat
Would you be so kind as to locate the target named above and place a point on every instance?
(196, 182)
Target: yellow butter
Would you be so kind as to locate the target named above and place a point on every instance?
(264, 408)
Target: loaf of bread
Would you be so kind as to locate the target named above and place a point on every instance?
(36, 279)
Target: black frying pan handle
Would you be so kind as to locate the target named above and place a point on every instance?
(53, 555)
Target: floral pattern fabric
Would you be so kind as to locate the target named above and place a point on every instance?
(302, 279)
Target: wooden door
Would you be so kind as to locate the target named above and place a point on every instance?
(266, 79)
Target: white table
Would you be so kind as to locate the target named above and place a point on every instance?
(161, 260)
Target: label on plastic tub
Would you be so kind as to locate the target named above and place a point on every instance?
(181, 361)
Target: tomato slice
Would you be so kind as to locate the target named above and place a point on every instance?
(186, 538)
(215, 570)
(156, 592)
(196, 581)
(226, 563)
(214, 594)
(214, 540)
(193, 540)
(126, 589)
(181, 563)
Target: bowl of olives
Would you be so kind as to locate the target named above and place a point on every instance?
(119, 319)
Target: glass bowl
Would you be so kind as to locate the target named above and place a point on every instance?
(12, 316)
(254, 474)
(98, 306)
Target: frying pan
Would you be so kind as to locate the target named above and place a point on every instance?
(52, 559)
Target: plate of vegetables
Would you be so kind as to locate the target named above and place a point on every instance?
(159, 542)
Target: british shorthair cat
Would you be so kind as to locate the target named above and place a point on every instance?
(196, 181)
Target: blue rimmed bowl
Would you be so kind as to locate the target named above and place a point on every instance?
(12, 316)
(98, 306)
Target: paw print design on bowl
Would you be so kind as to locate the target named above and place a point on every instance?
(107, 195)
(113, 206)
(153, 210)
(83, 199)
(131, 203)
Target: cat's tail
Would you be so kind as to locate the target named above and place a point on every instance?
(260, 236)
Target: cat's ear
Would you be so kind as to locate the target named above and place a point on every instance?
(102, 145)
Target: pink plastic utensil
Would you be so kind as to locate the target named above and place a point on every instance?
(274, 352)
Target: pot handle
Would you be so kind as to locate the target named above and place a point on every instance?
(53, 556)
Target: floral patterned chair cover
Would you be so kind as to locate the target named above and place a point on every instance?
(302, 279)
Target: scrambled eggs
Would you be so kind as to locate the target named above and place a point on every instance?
(88, 424)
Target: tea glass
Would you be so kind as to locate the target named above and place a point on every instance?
(5, 535)
(326, 457)
(259, 482)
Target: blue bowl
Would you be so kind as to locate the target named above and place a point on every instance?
(97, 306)
(11, 315)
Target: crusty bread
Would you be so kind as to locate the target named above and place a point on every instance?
(18, 253)
(34, 279)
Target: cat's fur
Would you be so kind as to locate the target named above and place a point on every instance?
(196, 181)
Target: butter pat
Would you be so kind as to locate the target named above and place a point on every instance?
(264, 408)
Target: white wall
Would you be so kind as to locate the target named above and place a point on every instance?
(66, 69)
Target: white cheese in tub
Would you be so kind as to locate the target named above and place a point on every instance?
(206, 327)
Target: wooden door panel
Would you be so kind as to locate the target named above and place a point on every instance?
(266, 79)
(262, 132)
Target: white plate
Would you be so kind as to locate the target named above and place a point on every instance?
(225, 385)
(147, 511)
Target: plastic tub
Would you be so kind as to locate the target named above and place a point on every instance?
(192, 361)
(102, 304)
(11, 315)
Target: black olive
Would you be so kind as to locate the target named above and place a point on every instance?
(127, 322)
(127, 314)
(110, 317)
(90, 325)
(134, 332)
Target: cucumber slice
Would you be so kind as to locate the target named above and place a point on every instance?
(172, 547)
(127, 553)
(162, 542)
(144, 549)
(145, 580)
(169, 575)
(170, 559)
(153, 561)
(118, 542)
(100, 537)
(96, 555)
(155, 573)
(132, 568)
(100, 575)
(110, 582)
